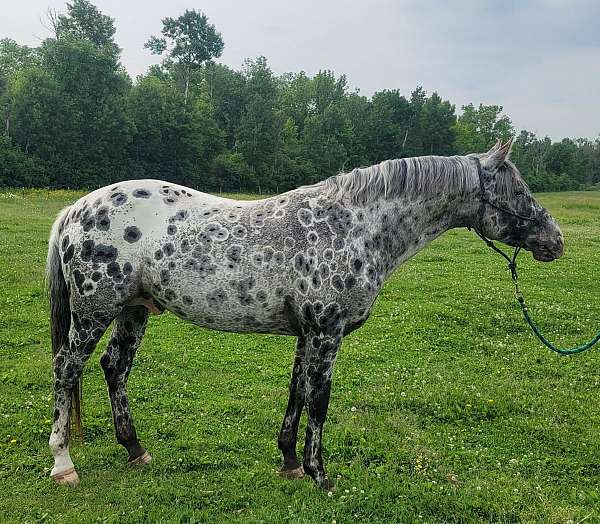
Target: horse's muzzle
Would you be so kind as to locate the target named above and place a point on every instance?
(549, 250)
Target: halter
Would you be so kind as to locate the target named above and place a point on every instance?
(485, 201)
(512, 266)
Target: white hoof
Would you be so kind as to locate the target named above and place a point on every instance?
(142, 460)
(68, 477)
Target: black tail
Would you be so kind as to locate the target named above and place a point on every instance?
(60, 309)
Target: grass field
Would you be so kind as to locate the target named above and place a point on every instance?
(444, 407)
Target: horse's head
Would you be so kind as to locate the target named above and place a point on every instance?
(507, 210)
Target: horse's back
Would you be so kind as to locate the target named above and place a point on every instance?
(152, 191)
(135, 213)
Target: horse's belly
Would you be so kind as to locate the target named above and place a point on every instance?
(248, 320)
(227, 305)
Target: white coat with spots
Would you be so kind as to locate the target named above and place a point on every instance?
(307, 263)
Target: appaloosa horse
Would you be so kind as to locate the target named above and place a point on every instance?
(307, 263)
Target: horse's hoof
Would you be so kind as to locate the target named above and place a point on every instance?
(142, 460)
(292, 474)
(68, 477)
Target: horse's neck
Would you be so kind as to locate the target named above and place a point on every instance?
(400, 228)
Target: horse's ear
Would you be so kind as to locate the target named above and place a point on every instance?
(497, 156)
(495, 147)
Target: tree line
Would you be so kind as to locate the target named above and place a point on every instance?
(72, 117)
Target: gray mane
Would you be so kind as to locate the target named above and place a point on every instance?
(412, 177)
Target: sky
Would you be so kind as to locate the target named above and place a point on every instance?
(539, 59)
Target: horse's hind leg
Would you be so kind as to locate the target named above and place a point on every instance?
(84, 333)
(288, 435)
(116, 361)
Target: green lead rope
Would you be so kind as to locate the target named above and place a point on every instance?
(543, 339)
(512, 266)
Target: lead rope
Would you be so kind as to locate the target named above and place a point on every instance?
(512, 266)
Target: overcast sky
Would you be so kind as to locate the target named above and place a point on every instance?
(540, 59)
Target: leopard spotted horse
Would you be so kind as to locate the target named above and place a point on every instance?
(307, 263)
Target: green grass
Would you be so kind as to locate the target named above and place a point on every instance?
(444, 407)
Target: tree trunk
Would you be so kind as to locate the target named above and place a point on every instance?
(187, 85)
(185, 93)
(405, 137)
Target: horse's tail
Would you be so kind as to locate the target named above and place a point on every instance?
(60, 308)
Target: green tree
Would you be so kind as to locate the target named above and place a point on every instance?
(437, 126)
(231, 172)
(296, 98)
(93, 89)
(328, 90)
(326, 137)
(478, 129)
(152, 105)
(412, 143)
(68, 107)
(390, 122)
(13, 58)
(18, 169)
(291, 167)
(589, 152)
(258, 136)
(171, 141)
(189, 41)
(83, 21)
(36, 104)
(225, 90)
(565, 163)
(356, 109)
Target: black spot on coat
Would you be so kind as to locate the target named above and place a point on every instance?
(118, 199)
(132, 234)
(141, 193)
(68, 255)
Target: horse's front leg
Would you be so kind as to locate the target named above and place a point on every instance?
(320, 358)
(288, 435)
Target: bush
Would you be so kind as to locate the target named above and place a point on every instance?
(231, 171)
(18, 169)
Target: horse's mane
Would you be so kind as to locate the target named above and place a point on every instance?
(416, 177)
